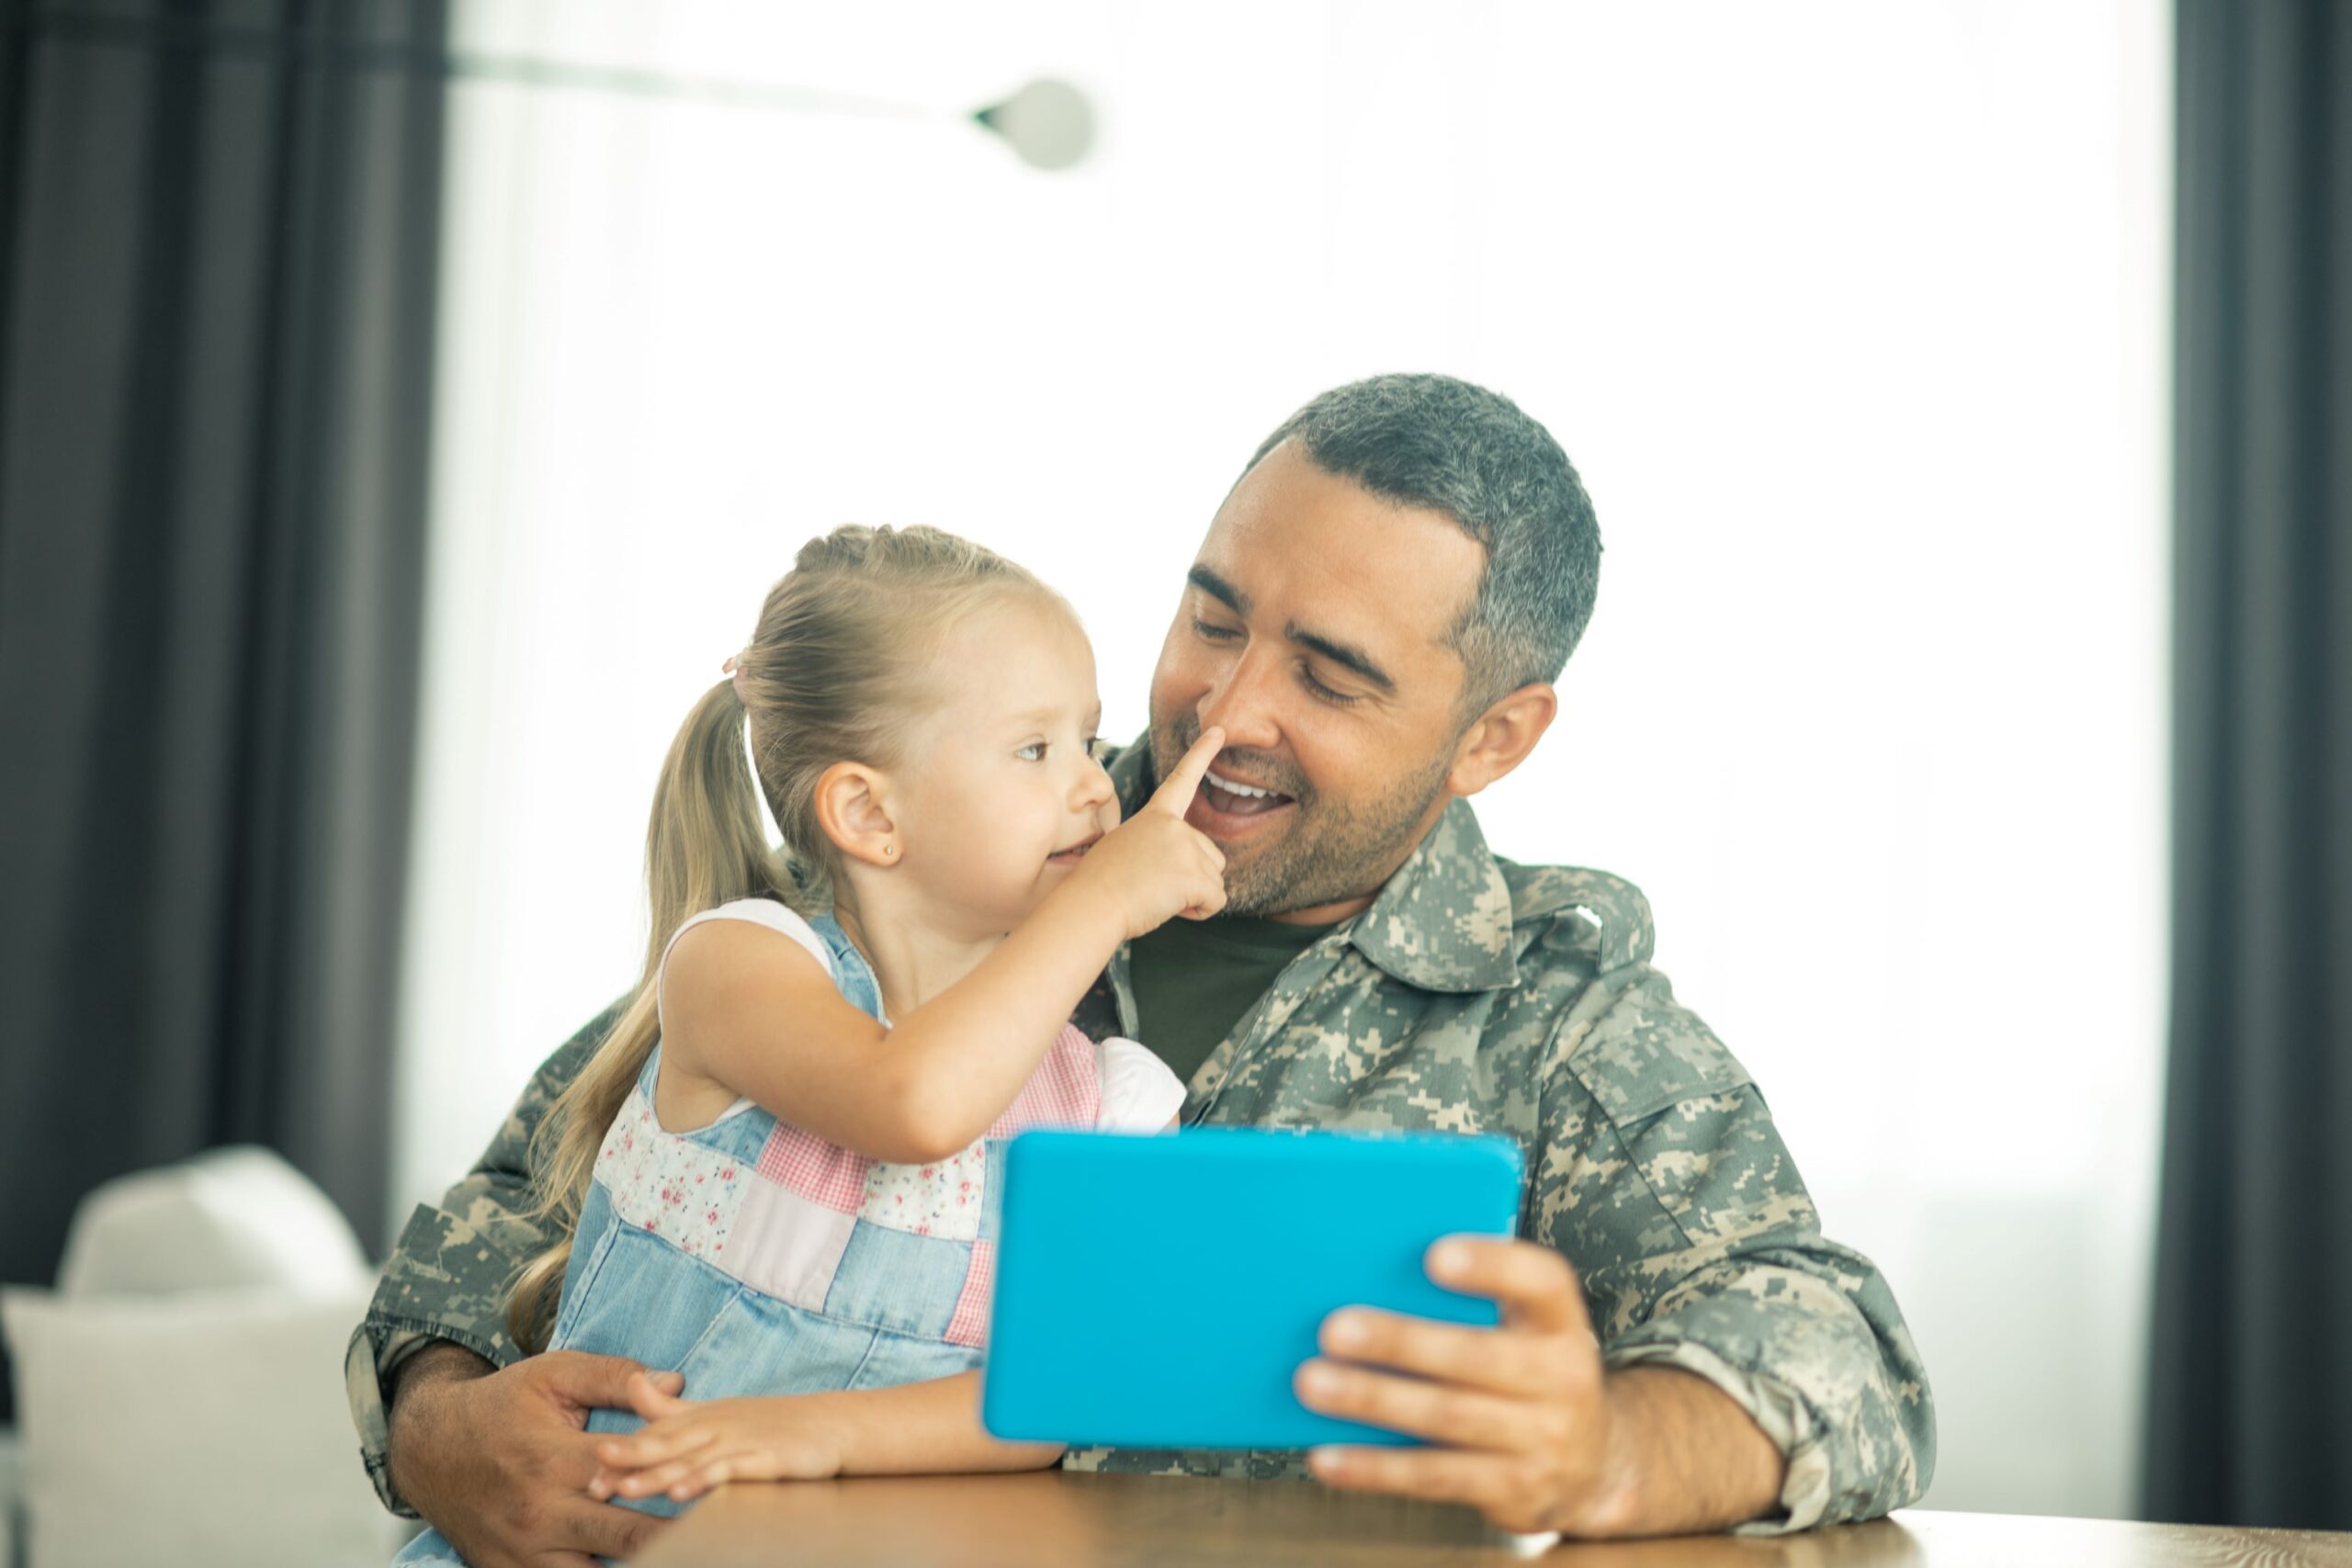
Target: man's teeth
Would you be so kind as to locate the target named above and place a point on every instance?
(1243, 790)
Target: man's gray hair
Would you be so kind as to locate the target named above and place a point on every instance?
(1434, 442)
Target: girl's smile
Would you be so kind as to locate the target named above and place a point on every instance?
(1070, 856)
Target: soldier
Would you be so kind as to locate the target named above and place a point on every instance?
(1375, 619)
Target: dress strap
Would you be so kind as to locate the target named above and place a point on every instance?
(759, 913)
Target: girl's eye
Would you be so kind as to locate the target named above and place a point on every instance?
(1337, 699)
(1215, 633)
(1033, 752)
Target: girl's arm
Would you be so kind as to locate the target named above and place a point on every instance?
(918, 1428)
(749, 1010)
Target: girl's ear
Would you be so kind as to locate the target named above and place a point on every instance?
(852, 809)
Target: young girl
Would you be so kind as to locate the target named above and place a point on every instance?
(774, 1174)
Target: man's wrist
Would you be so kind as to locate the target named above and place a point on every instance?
(436, 1361)
(1613, 1509)
(1681, 1456)
(436, 1365)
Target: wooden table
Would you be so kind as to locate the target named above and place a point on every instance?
(1049, 1519)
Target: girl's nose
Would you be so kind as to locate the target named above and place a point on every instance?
(1094, 786)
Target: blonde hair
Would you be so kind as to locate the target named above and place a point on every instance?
(834, 672)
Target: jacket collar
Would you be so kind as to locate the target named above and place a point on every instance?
(1442, 922)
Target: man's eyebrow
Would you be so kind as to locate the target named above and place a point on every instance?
(1218, 588)
(1340, 653)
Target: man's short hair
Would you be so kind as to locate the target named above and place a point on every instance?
(1434, 442)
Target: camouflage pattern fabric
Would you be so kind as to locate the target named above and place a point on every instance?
(455, 1262)
(1474, 996)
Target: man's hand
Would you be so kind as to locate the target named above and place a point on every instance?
(1525, 1425)
(500, 1462)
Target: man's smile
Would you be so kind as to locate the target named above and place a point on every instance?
(1227, 807)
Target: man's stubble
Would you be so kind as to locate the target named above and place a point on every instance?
(1332, 852)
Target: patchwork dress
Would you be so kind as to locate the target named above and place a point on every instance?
(757, 1259)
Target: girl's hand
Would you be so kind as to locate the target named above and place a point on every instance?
(688, 1446)
(1156, 864)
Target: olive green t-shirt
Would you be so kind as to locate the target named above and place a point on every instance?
(1194, 979)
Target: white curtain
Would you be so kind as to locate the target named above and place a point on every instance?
(1850, 315)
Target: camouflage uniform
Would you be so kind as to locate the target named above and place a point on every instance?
(1474, 996)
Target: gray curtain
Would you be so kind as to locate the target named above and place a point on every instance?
(2251, 1372)
(219, 234)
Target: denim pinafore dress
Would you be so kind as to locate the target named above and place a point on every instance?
(757, 1259)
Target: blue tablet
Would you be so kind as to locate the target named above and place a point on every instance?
(1160, 1291)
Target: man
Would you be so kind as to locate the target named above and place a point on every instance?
(1375, 619)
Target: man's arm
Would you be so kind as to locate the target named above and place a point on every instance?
(1663, 1180)
(448, 1281)
(1754, 1374)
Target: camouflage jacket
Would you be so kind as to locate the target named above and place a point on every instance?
(1472, 995)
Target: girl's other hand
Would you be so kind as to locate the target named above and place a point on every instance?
(687, 1447)
(1156, 864)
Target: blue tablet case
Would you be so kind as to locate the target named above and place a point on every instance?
(1159, 1291)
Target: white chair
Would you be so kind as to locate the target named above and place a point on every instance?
(179, 1395)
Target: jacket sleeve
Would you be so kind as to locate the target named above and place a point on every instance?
(1661, 1177)
(456, 1261)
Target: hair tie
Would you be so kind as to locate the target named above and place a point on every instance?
(734, 666)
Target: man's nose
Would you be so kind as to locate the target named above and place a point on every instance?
(1243, 703)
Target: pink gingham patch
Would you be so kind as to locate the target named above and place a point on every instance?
(821, 1172)
(970, 1325)
(1065, 1091)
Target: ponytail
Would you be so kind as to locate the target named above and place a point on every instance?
(705, 846)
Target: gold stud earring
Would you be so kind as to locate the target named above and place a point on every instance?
(889, 850)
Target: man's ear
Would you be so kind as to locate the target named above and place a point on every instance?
(854, 811)
(1500, 738)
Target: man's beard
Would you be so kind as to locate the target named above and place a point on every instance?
(1330, 852)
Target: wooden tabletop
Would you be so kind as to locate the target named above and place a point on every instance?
(1051, 1520)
